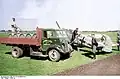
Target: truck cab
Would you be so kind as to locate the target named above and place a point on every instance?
(56, 43)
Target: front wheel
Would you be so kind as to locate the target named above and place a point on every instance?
(54, 55)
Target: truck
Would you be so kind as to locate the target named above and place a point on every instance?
(51, 43)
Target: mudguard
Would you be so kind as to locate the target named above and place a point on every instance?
(57, 47)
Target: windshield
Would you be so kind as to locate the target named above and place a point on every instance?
(61, 33)
(56, 34)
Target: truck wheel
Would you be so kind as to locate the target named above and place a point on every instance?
(54, 55)
(15, 36)
(10, 35)
(21, 36)
(28, 36)
(17, 52)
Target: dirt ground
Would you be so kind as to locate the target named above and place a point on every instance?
(107, 66)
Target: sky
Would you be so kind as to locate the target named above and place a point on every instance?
(94, 15)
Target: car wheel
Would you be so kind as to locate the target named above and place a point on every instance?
(54, 55)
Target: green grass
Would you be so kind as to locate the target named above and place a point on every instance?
(27, 66)
(4, 34)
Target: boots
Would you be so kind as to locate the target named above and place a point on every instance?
(94, 56)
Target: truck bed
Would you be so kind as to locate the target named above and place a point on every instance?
(19, 41)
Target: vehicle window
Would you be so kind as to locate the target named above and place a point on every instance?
(54, 34)
(51, 34)
(45, 34)
(61, 34)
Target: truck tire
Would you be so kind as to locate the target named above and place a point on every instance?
(28, 35)
(54, 55)
(21, 36)
(17, 52)
(15, 35)
(10, 35)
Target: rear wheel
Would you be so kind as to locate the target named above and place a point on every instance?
(17, 52)
(54, 55)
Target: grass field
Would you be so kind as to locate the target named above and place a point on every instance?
(28, 66)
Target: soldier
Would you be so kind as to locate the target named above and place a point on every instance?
(14, 26)
(94, 45)
(74, 34)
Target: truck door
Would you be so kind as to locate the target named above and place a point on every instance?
(46, 41)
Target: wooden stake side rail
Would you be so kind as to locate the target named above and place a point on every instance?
(23, 41)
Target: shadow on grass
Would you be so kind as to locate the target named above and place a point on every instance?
(39, 58)
(65, 57)
(31, 57)
(8, 53)
(85, 50)
(90, 54)
(115, 49)
(103, 53)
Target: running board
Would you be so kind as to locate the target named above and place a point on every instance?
(33, 53)
(38, 54)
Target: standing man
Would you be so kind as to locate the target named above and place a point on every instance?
(14, 26)
(75, 32)
(94, 45)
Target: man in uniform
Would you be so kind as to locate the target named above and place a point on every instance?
(15, 29)
(94, 45)
(74, 34)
